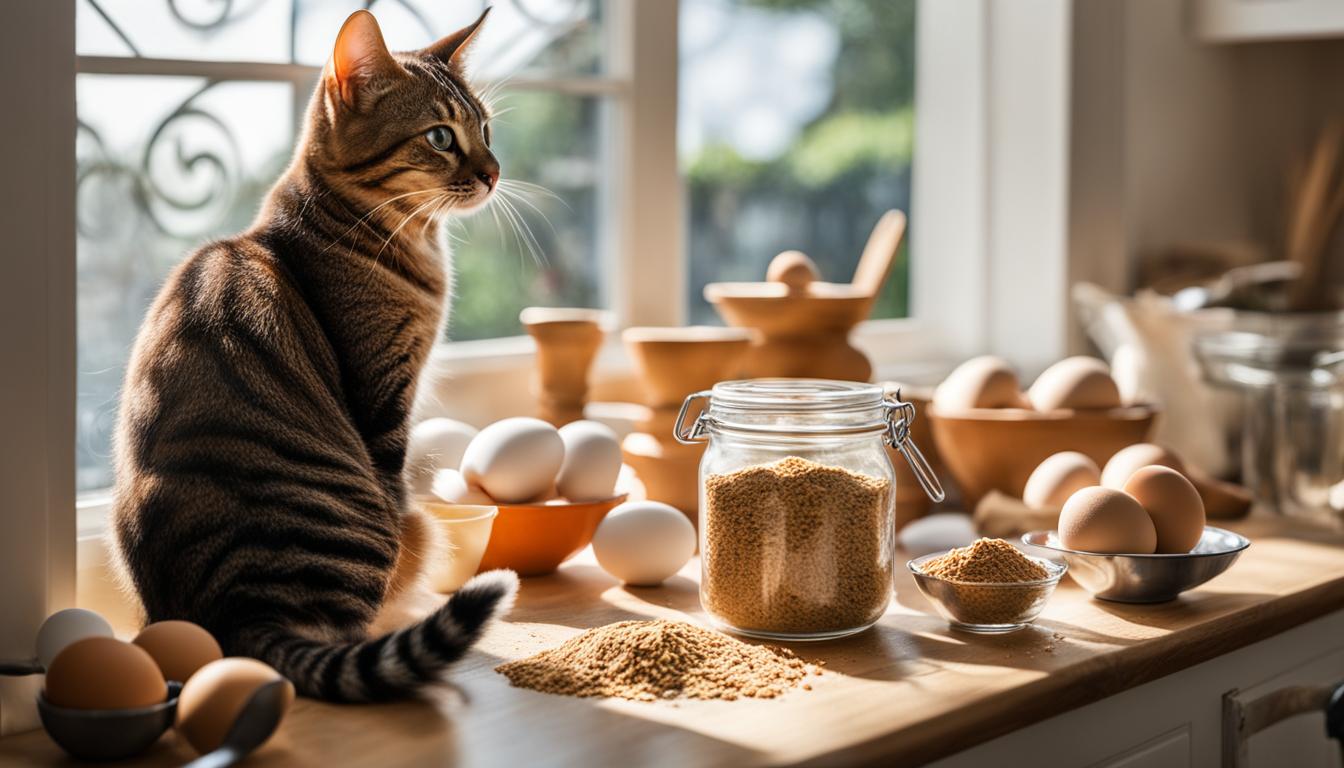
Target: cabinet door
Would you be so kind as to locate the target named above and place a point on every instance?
(1299, 741)
(1170, 750)
(1177, 720)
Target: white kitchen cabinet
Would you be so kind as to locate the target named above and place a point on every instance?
(1232, 21)
(1177, 720)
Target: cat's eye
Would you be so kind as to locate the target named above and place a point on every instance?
(486, 130)
(440, 138)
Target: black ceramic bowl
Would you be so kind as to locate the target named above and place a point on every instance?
(108, 734)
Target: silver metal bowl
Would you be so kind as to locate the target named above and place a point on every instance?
(1146, 578)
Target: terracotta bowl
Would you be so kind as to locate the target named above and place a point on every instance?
(534, 539)
(997, 449)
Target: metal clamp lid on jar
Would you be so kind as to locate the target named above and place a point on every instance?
(897, 416)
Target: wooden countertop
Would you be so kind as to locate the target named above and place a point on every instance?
(907, 691)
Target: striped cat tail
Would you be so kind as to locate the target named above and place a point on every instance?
(397, 664)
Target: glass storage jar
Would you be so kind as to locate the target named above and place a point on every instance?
(797, 503)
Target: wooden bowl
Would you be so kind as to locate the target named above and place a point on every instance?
(534, 539)
(997, 449)
(671, 363)
(775, 311)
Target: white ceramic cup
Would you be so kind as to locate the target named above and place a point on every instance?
(466, 531)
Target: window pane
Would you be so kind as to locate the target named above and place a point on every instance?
(168, 161)
(795, 132)
(550, 37)
(190, 162)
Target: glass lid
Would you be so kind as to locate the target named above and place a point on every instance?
(795, 395)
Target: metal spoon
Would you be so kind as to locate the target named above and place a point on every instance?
(256, 722)
(20, 667)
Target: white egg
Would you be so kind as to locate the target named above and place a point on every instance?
(450, 487)
(65, 627)
(514, 460)
(435, 444)
(642, 543)
(936, 533)
(592, 461)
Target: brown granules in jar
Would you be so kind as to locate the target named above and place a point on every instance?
(661, 659)
(796, 547)
(987, 560)
(987, 583)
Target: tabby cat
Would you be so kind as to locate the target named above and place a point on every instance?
(263, 425)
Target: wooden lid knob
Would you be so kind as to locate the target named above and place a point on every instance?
(792, 268)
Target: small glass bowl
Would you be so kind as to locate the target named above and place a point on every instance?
(987, 608)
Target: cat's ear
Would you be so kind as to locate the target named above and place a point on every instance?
(453, 48)
(360, 59)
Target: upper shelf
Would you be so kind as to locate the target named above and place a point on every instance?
(1244, 21)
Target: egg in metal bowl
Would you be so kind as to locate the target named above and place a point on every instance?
(1154, 578)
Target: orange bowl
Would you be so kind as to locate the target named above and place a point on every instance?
(997, 449)
(534, 539)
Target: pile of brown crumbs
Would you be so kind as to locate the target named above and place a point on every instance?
(661, 659)
(985, 561)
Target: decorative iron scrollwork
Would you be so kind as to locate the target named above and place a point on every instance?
(185, 189)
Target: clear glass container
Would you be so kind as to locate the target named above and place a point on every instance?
(797, 503)
(1291, 376)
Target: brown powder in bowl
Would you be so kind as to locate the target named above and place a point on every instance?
(987, 560)
(660, 659)
(988, 583)
(796, 547)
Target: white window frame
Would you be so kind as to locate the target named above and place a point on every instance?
(37, 334)
(989, 234)
(647, 259)
(989, 238)
(990, 264)
(641, 250)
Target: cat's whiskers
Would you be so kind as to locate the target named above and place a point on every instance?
(434, 215)
(519, 197)
(527, 187)
(405, 220)
(364, 219)
(487, 94)
(513, 196)
(523, 229)
(521, 190)
(373, 263)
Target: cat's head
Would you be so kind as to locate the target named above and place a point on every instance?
(387, 124)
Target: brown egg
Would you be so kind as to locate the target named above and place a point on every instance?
(1059, 477)
(1105, 520)
(1173, 504)
(981, 382)
(1078, 383)
(179, 647)
(104, 673)
(212, 699)
(1129, 460)
(792, 268)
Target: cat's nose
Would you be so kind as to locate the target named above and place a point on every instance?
(489, 178)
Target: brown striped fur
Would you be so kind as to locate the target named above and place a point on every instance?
(263, 422)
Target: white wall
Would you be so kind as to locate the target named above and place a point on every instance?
(37, 333)
(1175, 140)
